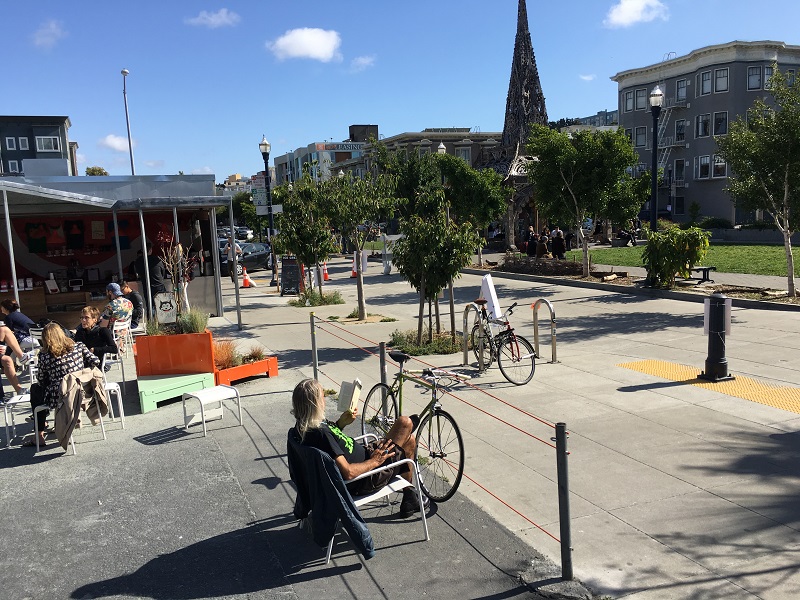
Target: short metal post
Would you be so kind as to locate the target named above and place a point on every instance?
(535, 307)
(563, 501)
(314, 357)
(717, 315)
(382, 358)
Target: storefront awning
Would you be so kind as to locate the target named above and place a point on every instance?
(26, 199)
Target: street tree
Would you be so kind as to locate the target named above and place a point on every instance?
(581, 174)
(96, 171)
(353, 205)
(244, 211)
(305, 228)
(763, 153)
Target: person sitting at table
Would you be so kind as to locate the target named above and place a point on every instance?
(119, 308)
(58, 357)
(352, 458)
(18, 323)
(8, 341)
(136, 300)
(100, 340)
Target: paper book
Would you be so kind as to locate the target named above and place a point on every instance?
(348, 395)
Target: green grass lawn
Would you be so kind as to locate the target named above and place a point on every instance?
(728, 258)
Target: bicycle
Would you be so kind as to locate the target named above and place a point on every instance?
(440, 447)
(515, 355)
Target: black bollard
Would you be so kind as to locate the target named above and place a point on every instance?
(716, 363)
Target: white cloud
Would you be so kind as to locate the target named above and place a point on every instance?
(154, 164)
(361, 63)
(117, 143)
(588, 77)
(630, 12)
(48, 34)
(222, 18)
(203, 171)
(81, 158)
(316, 44)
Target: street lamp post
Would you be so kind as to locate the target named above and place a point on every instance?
(441, 149)
(265, 147)
(125, 73)
(656, 100)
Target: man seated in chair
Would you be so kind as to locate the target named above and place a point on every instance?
(136, 300)
(119, 308)
(353, 458)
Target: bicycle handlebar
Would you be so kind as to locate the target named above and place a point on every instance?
(436, 373)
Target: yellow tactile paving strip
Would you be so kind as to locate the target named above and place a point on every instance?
(786, 398)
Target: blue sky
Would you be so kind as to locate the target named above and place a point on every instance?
(208, 79)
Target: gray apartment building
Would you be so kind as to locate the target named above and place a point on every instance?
(704, 92)
(36, 146)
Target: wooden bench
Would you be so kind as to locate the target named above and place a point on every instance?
(703, 274)
(157, 388)
(205, 397)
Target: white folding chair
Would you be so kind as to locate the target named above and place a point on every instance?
(112, 387)
(122, 335)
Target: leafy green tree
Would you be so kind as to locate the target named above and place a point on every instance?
(673, 252)
(305, 229)
(763, 153)
(96, 171)
(581, 174)
(244, 211)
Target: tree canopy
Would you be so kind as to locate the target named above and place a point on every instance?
(96, 171)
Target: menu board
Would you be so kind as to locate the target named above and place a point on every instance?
(290, 275)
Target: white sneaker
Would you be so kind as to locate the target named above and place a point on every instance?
(27, 357)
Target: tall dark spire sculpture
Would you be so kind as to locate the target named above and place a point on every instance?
(525, 100)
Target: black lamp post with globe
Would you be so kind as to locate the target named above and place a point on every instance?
(265, 147)
(656, 100)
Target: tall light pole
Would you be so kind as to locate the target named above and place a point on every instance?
(441, 149)
(127, 119)
(656, 100)
(265, 147)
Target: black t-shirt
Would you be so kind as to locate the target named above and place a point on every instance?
(333, 441)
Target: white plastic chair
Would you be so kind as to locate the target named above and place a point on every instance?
(122, 335)
(112, 387)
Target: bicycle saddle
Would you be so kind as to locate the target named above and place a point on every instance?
(481, 301)
(398, 356)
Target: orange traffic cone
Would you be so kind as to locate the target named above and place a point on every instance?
(325, 276)
(247, 282)
(354, 273)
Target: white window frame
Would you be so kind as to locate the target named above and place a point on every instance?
(464, 153)
(678, 96)
(697, 120)
(718, 75)
(627, 101)
(701, 83)
(641, 99)
(680, 137)
(41, 145)
(643, 132)
(718, 160)
(13, 166)
(767, 74)
(714, 122)
(752, 71)
(23, 143)
(11, 143)
(699, 162)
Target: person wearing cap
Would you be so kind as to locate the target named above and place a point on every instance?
(136, 300)
(119, 307)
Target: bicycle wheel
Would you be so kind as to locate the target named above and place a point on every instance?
(487, 346)
(380, 410)
(516, 360)
(440, 455)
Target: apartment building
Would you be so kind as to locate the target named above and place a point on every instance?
(37, 146)
(704, 92)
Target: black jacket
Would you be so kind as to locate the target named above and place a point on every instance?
(98, 339)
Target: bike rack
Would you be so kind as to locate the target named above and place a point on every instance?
(470, 307)
(535, 307)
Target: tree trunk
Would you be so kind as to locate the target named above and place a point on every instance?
(421, 316)
(430, 322)
(452, 314)
(362, 305)
(319, 281)
(585, 246)
(787, 244)
(511, 227)
(480, 254)
(438, 319)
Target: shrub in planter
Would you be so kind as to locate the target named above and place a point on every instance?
(716, 223)
(673, 253)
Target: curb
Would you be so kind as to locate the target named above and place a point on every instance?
(633, 290)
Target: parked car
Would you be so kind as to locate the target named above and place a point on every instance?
(254, 256)
(244, 233)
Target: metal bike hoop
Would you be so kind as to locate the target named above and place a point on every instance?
(465, 361)
(535, 306)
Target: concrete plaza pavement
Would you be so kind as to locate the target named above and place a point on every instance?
(676, 491)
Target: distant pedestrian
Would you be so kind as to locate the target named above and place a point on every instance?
(559, 245)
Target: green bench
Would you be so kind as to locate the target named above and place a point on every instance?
(157, 388)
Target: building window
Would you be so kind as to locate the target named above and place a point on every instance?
(721, 80)
(680, 168)
(753, 78)
(641, 99)
(680, 130)
(720, 167)
(680, 206)
(629, 135)
(423, 150)
(702, 125)
(702, 167)
(720, 123)
(767, 75)
(465, 154)
(11, 143)
(23, 143)
(13, 166)
(704, 83)
(47, 143)
(629, 101)
(641, 136)
(680, 90)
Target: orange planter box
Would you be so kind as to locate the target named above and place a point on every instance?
(182, 354)
(268, 365)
